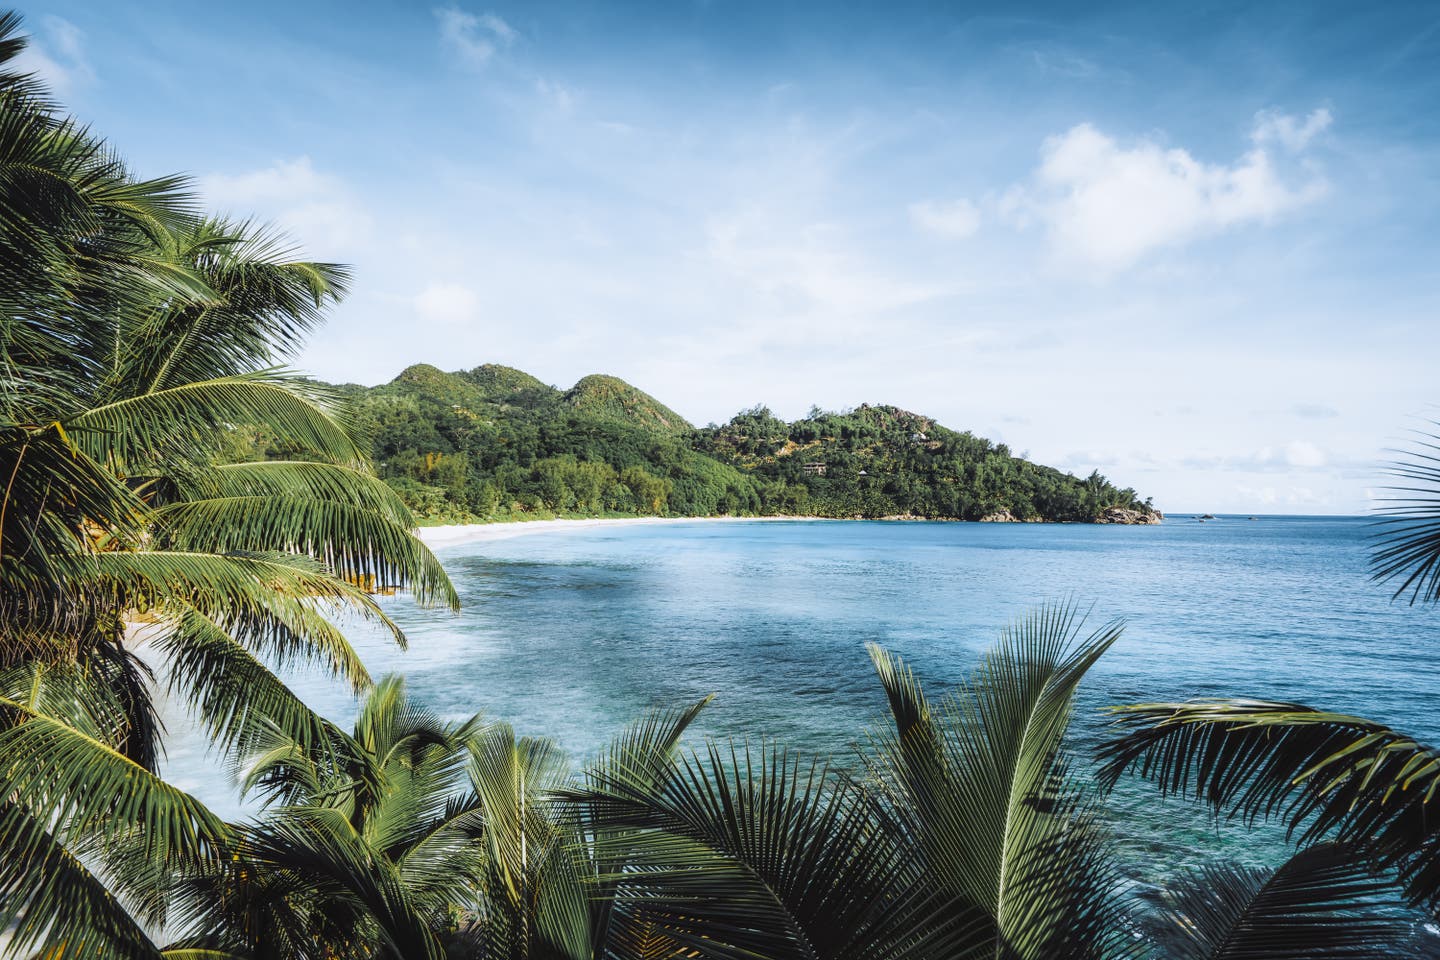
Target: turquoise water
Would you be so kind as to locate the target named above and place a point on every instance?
(572, 633)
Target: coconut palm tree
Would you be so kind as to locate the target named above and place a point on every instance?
(134, 335)
(962, 838)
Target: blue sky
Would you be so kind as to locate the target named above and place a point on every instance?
(1193, 248)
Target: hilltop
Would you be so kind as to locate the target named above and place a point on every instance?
(494, 442)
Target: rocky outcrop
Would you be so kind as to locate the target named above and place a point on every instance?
(999, 516)
(1125, 515)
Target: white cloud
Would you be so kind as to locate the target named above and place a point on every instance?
(447, 303)
(558, 94)
(1106, 205)
(56, 54)
(956, 218)
(316, 208)
(1289, 131)
(1303, 453)
(805, 269)
(474, 38)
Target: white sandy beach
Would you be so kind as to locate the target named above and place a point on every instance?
(456, 533)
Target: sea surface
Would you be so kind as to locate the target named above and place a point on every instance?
(571, 633)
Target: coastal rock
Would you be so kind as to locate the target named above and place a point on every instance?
(1125, 515)
(999, 516)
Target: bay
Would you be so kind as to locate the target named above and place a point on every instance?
(571, 633)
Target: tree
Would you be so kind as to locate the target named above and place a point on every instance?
(134, 334)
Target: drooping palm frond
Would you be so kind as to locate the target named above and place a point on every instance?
(1407, 541)
(355, 543)
(65, 766)
(1324, 903)
(1323, 774)
(737, 853)
(49, 898)
(135, 432)
(238, 699)
(980, 784)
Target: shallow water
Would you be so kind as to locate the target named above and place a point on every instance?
(572, 633)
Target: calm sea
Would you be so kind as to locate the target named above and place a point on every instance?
(569, 634)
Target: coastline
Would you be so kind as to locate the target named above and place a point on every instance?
(450, 535)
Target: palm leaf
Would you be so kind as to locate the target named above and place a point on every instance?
(980, 783)
(239, 700)
(354, 542)
(177, 422)
(1407, 541)
(1324, 774)
(52, 765)
(1324, 903)
(48, 896)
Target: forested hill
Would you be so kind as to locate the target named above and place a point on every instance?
(497, 443)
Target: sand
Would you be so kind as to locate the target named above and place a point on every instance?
(449, 536)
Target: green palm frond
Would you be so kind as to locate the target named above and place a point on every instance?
(1407, 541)
(238, 699)
(980, 783)
(1324, 774)
(737, 854)
(178, 422)
(266, 303)
(354, 542)
(74, 776)
(1324, 903)
(274, 602)
(49, 898)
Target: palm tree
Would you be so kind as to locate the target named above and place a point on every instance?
(980, 785)
(134, 334)
(410, 837)
(963, 837)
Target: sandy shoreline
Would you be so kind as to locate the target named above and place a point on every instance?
(457, 533)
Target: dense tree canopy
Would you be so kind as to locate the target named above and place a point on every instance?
(495, 442)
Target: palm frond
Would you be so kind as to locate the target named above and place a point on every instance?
(736, 854)
(238, 699)
(72, 774)
(980, 783)
(1407, 540)
(49, 897)
(1323, 774)
(133, 432)
(355, 542)
(1324, 903)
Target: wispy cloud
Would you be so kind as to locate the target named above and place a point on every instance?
(474, 38)
(1106, 204)
(1290, 132)
(948, 218)
(56, 54)
(317, 208)
(1315, 411)
(446, 303)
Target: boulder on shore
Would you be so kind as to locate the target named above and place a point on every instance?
(1126, 515)
(999, 516)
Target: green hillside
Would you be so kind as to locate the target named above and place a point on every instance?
(612, 398)
(497, 443)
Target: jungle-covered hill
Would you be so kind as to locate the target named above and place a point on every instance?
(497, 443)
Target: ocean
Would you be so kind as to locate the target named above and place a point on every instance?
(570, 633)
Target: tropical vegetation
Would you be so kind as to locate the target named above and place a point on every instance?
(182, 516)
(497, 443)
